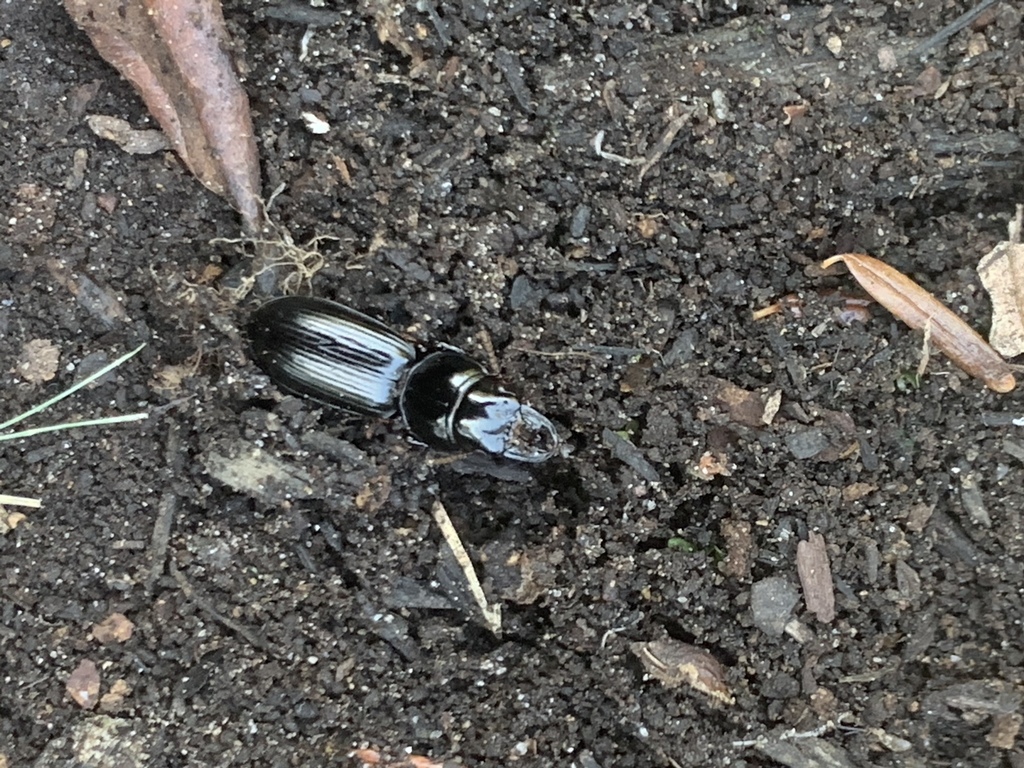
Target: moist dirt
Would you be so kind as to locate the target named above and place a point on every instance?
(606, 192)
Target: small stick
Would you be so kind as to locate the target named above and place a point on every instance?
(160, 537)
(491, 614)
(485, 341)
(19, 501)
(662, 145)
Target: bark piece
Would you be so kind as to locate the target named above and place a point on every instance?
(921, 310)
(816, 577)
(172, 51)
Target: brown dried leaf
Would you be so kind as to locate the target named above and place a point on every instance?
(116, 628)
(919, 309)
(816, 577)
(173, 52)
(83, 685)
(675, 663)
(1002, 273)
(743, 406)
(38, 361)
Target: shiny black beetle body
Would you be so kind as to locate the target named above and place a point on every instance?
(341, 357)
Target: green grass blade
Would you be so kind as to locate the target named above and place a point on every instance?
(70, 391)
(74, 425)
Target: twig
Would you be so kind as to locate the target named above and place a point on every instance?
(160, 537)
(789, 735)
(491, 614)
(662, 145)
(19, 501)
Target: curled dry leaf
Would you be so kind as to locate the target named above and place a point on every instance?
(173, 52)
(816, 577)
(674, 663)
(919, 309)
(1002, 273)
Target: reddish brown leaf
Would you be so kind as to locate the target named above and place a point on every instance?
(172, 51)
(919, 309)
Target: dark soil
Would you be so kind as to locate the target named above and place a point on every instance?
(290, 622)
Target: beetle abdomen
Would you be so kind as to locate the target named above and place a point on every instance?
(331, 353)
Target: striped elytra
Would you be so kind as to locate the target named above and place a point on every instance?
(339, 356)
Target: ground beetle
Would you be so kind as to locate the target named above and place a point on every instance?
(336, 355)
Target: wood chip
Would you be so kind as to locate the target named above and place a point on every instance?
(132, 141)
(740, 548)
(816, 577)
(919, 309)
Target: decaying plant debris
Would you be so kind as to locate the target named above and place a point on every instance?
(174, 53)
(922, 311)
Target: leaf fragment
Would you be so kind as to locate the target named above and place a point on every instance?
(675, 663)
(83, 684)
(919, 309)
(116, 628)
(173, 53)
(1002, 273)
